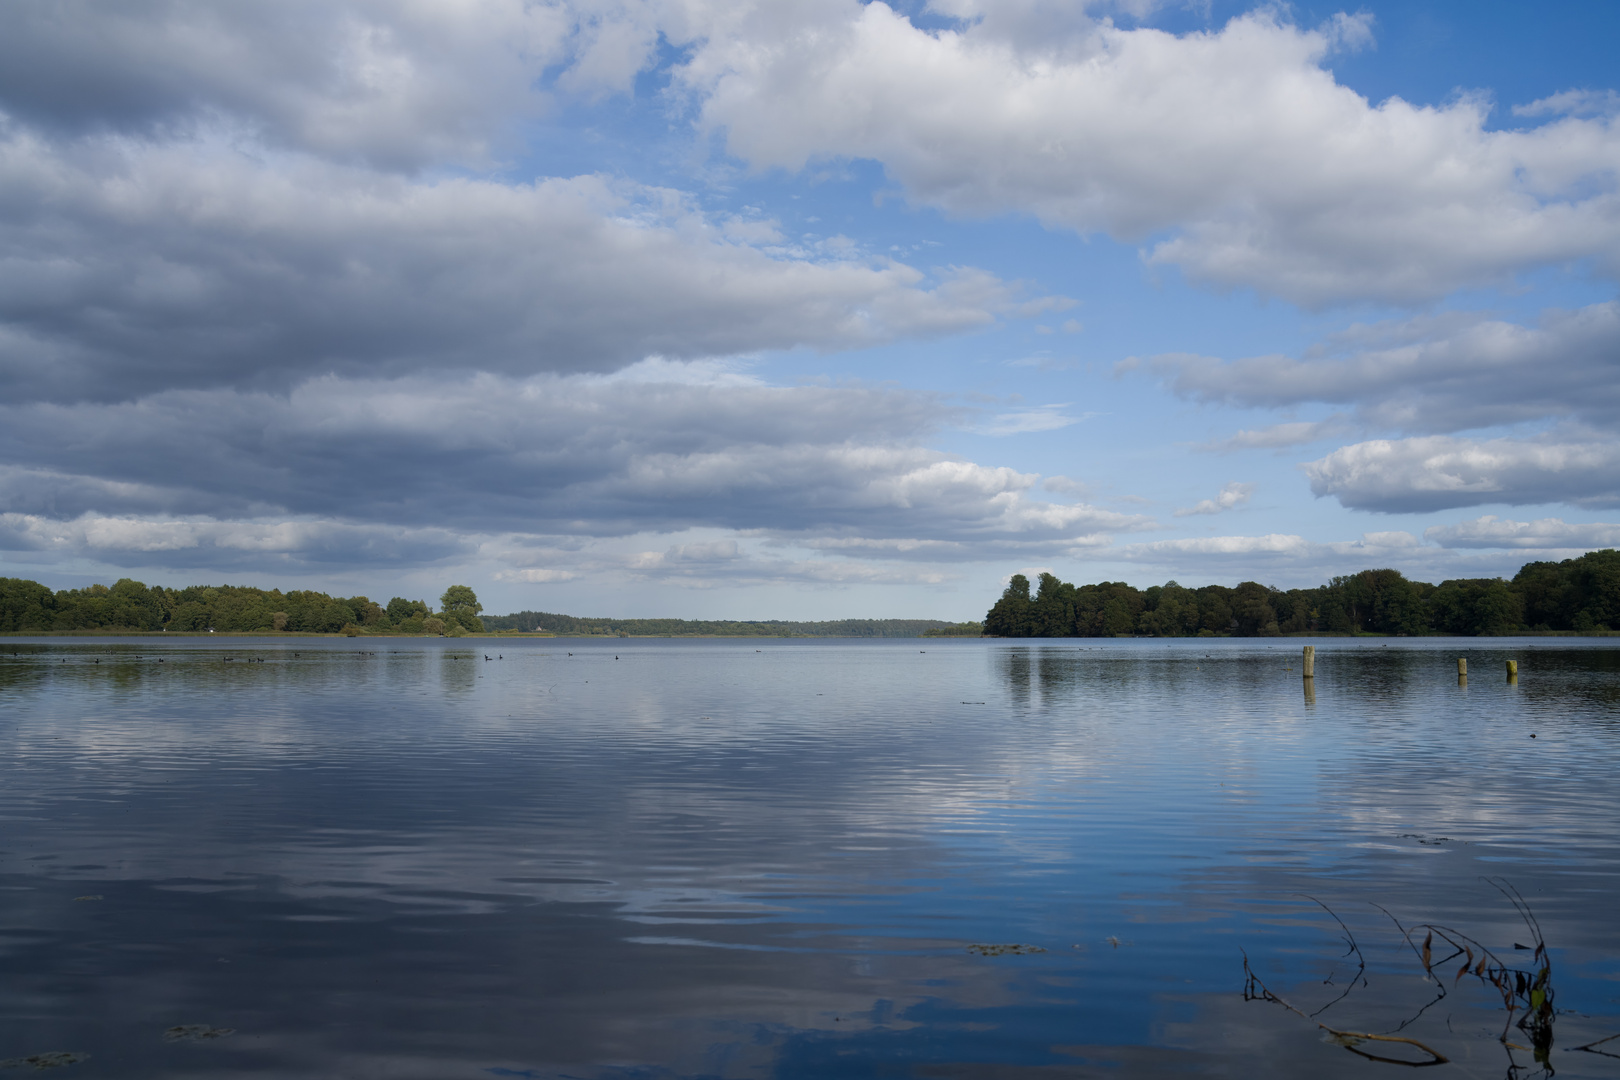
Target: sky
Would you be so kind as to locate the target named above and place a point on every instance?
(807, 309)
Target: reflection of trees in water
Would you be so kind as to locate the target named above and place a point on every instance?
(1376, 676)
(1057, 675)
(1015, 668)
(1042, 675)
(1589, 677)
(458, 670)
(1067, 675)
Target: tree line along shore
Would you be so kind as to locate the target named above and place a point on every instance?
(27, 607)
(1579, 596)
(133, 607)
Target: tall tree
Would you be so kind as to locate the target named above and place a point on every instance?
(459, 605)
(459, 599)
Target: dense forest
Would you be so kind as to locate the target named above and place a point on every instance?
(1578, 595)
(530, 621)
(129, 605)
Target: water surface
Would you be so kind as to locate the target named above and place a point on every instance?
(697, 858)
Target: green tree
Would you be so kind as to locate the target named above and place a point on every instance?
(1597, 585)
(25, 605)
(1215, 610)
(1011, 615)
(1580, 594)
(1252, 607)
(1547, 593)
(458, 599)
(1472, 606)
(400, 609)
(459, 606)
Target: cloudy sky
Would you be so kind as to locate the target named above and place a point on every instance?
(806, 308)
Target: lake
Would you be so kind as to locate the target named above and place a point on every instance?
(804, 858)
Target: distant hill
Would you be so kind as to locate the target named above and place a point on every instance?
(531, 621)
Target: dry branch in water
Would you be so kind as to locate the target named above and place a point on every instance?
(1525, 994)
(1255, 989)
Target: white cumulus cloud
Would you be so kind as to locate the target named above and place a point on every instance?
(1268, 173)
(1439, 472)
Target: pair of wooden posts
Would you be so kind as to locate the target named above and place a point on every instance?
(1462, 671)
(1462, 667)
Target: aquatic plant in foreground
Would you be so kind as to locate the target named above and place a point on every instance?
(1526, 994)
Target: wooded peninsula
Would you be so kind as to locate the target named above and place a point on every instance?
(1579, 596)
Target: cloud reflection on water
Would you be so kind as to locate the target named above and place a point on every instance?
(718, 858)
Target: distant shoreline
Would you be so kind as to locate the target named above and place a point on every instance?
(501, 635)
(507, 635)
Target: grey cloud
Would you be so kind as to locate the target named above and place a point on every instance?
(587, 456)
(60, 495)
(260, 546)
(199, 195)
(396, 85)
(1431, 376)
(133, 267)
(1438, 472)
(1552, 534)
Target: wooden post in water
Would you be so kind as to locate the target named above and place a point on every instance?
(1310, 661)
(1462, 667)
(1513, 671)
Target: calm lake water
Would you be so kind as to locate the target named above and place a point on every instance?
(689, 858)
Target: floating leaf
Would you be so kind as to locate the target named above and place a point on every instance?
(1004, 950)
(195, 1033)
(54, 1059)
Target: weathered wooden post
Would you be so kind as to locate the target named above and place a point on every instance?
(1462, 667)
(1310, 692)
(1310, 661)
(1513, 671)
